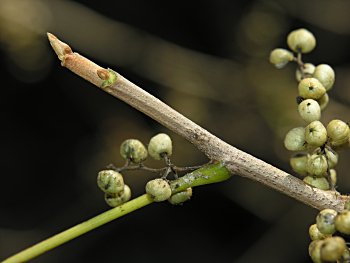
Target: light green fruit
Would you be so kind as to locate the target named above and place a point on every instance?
(159, 189)
(298, 163)
(160, 145)
(333, 176)
(295, 139)
(315, 251)
(342, 222)
(309, 110)
(308, 71)
(332, 157)
(110, 181)
(338, 132)
(301, 40)
(280, 57)
(315, 234)
(114, 200)
(332, 249)
(311, 88)
(181, 197)
(317, 165)
(325, 221)
(323, 101)
(317, 182)
(325, 74)
(133, 150)
(315, 134)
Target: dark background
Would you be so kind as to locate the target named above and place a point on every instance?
(208, 60)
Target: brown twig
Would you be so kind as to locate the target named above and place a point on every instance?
(237, 161)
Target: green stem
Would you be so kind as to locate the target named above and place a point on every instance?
(206, 175)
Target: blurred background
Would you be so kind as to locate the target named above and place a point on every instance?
(206, 59)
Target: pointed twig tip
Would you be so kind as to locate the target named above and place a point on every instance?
(59, 47)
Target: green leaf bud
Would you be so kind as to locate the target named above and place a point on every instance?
(110, 181)
(315, 134)
(280, 57)
(117, 199)
(309, 110)
(295, 139)
(317, 165)
(133, 150)
(181, 197)
(317, 182)
(311, 88)
(315, 234)
(301, 40)
(325, 74)
(332, 249)
(159, 189)
(338, 132)
(159, 145)
(332, 158)
(323, 101)
(308, 70)
(315, 251)
(299, 163)
(342, 222)
(325, 221)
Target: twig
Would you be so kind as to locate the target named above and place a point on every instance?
(237, 161)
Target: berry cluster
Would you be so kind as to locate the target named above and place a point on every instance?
(318, 143)
(326, 246)
(134, 152)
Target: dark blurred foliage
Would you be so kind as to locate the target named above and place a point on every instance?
(208, 60)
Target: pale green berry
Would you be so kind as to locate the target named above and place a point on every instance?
(117, 199)
(299, 163)
(309, 110)
(325, 74)
(311, 88)
(133, 150)
(317, 182)
(332, 157)
(323, 101)
(308, 70)
(342, 222)
(110, 181)
(333, 176)
(160, 145)
(295, 139)
(325, 221)
(280, 57)
(317, 165)
(315, 250)
(332, 249)
(159, 189)
(338, 132)
(301, 40)
(181, 197)
(315, 134)
(315, 234)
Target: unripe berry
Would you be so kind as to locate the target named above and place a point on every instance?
(325, 74)
(308, 71)
(325, 221)
(323, 101)
(299, 163)
(338, 132)
(317, 165)
(309, 110)
(317, 182)
(315, 234)
(159, 189)
(133, 150)
(315, 251)
(110, 181)
(315, 134)
(311, 88)
(332, 158)
(333, 176)
(280, 57)
(332, 249)
(301, 40)
(181, 197)
(159, 145)
(342, 222)
(114, 200)
(295, 139)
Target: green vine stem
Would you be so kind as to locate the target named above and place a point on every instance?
(206, 175)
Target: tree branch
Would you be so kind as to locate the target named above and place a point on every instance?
(237, 161)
